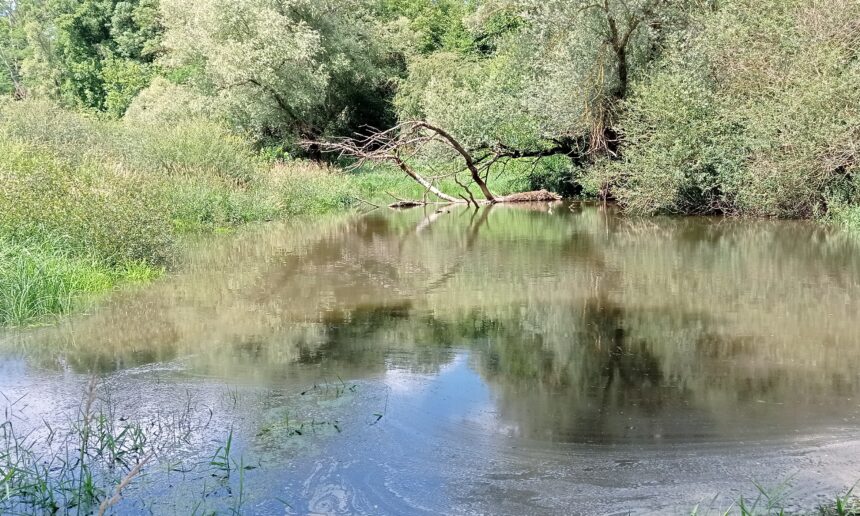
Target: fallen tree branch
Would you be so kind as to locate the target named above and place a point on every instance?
(408, 138)
(467, 157)
(535, 196)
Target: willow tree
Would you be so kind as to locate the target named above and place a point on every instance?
(550, 77)
(754, 112)
(284, 69)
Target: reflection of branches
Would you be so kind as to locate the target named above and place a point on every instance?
(430, 219)
(471, 237)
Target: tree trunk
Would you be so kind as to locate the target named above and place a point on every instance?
(470, 163)
(621, 55)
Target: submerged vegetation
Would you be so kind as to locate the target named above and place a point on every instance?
(92, 460)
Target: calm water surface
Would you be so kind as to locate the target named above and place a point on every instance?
(542, 359)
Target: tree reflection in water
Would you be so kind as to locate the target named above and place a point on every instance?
(587, 326)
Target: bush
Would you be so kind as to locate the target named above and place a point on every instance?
(755, 112)
(681, 154)
(86, 208)
(87, 203)
(168, 170)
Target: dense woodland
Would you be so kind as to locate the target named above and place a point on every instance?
(174, 116)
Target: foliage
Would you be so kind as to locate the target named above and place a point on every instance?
(89, 208)
(692, 157)
(123, 80)
(283, 69)
(166, 103)
(13, 46)
(94, 54)
(550, 73)
(688, 106)
(429, 26)
(756, 112)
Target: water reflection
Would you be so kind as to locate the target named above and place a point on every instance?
(586, 326)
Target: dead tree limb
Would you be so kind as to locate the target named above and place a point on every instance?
(406, 140)
(467, 157)
(380, 147)
(423, 182)
(471, 199)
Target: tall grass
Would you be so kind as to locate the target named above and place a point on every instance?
(87, 204)
(39, 280)
(301, 187)
(85, 465)
(70, 469)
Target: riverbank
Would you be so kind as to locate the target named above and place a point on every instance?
(90, 204)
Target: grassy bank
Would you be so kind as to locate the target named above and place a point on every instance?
(89, 204)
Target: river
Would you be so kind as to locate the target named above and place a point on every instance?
(536, 359)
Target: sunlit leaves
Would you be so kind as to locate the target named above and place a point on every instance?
(283, 68)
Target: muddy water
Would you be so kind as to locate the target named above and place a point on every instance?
(544, 359)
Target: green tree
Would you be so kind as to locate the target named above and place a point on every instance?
(429, 26)
(284, 69)
(13, 45)
(95, 54)
(546, 74)
(753, 112)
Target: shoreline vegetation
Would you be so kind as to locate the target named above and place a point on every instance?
(90, 204)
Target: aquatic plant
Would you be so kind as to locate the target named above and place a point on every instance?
(71, 468)
(86, 465)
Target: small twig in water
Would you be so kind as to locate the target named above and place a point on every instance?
(117, 493)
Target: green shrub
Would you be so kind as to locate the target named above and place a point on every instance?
(85, 207)
(756, 111)
(198, 204)
(190, 148)
(845, 215)
(174, 168)
(681, 154)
